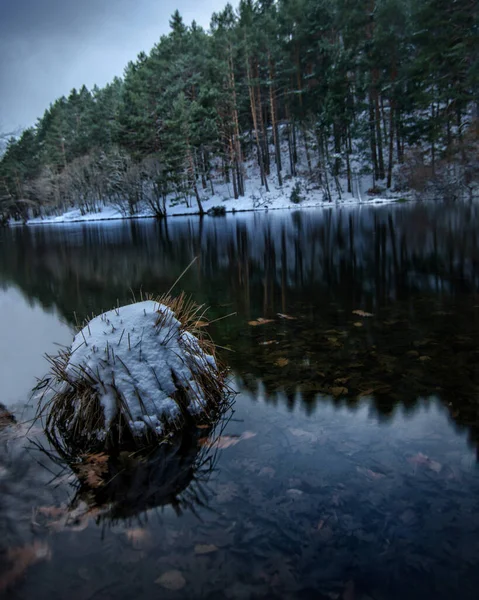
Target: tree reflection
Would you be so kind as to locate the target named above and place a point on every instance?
(414, 267)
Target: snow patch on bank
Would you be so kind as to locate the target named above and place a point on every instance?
(256, 198)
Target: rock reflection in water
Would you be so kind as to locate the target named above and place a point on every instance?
(128, 485)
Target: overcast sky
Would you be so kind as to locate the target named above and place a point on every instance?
(48, 47)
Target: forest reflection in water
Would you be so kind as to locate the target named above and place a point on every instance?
(413, 268)
(353, 348)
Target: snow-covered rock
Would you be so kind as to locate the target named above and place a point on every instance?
(144, 367)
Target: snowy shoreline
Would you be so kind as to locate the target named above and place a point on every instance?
(110, 213)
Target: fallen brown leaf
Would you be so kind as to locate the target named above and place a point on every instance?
(370, 473)
(308, 436)
(268, 342)
(357, 324)
(22, 558)
(349, 591)
(205, 548)
(260, 321)
(367, 392)
(267, 472)
(338, 391)
(51, 511)
(100, 458)
(226, 441)
(422, 459)
(282, 362)
(93, 469)
(137, 536)
(288, 317)
(172, 580)
(362, 313)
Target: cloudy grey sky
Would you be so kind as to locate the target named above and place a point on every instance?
(48, 47)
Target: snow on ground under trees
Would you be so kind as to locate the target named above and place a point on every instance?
(256, 198)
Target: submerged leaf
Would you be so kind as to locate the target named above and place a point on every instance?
(137, 536)
(288, 317)
(260, 321)
(370, 473)
(307, 436)
(422, 459)
(21, 558)
(282, 362)
(172, 580)
(93, 469)
(338, 391)
(362, 313)
(205, 548)
(226, 441)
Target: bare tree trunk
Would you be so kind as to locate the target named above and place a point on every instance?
(191, 169)
(237, 140)
(391, 143)
(233, 162)
(273, 122)
(348, 161)
(372, 138)
(255, 125)
(264, 137)
(379, 137)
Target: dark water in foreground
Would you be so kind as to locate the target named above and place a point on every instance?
(348, 469)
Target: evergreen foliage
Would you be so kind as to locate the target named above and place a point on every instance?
(394, 82)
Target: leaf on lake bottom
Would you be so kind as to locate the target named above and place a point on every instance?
(282, 362)
(268, 343)
(362, 313)
(137, 536)
(260, 321)
(288, 317)
(226, 441)
(51, 511)
(307, 436)
(367, 392)
(205, 548)
(349, 591)
(370, 473)
(21, 558)
(172, 580)
(357, 324)
(422, 459)
(267, 472)
(97, 459)
(338, 391)
(226, 492)
(93, 469)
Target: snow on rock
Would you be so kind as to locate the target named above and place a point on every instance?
(142, 354)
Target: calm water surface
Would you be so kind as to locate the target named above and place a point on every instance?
(348, 468)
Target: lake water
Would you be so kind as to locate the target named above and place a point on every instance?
(348, 467)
